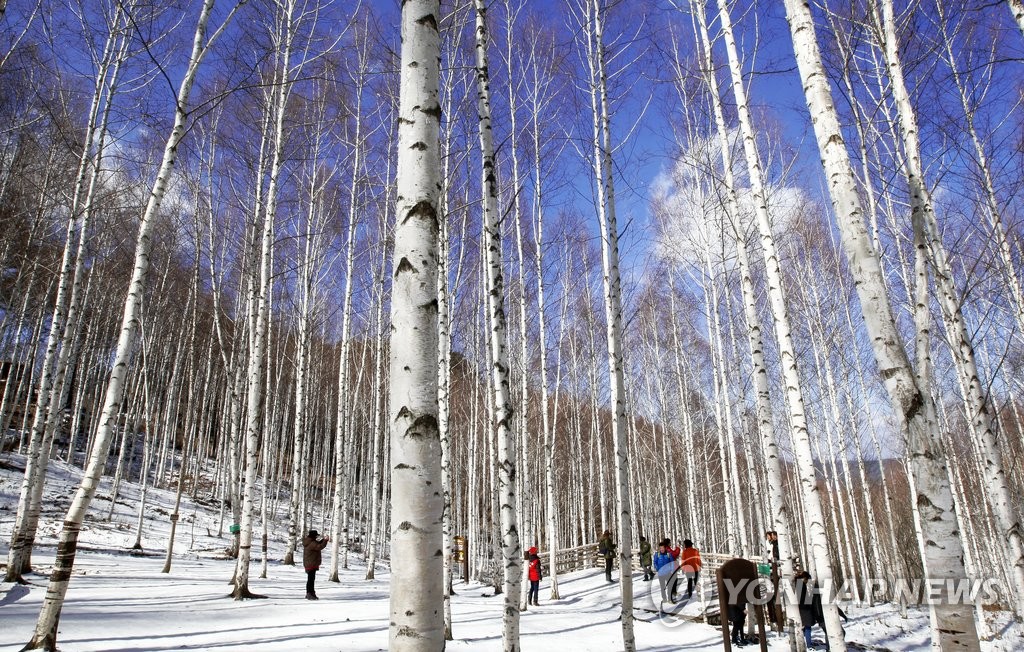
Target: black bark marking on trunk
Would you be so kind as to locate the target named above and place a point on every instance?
(423, 209)
(430, 306)
(408, 631)
(424, 426)
(428, 20)
(405, 266)
(433, 111)
(916, 403)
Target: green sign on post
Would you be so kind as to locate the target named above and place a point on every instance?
(235, 529)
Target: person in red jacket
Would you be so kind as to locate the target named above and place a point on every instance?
(535, 576)
(690, 565)
(674, 589)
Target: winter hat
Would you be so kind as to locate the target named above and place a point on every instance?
(533, 550)
(313, 534)
(687, 543)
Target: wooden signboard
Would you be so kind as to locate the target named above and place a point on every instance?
(460, 553)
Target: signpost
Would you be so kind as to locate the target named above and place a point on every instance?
(460, 553)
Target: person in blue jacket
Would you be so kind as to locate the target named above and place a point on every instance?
(665, 566)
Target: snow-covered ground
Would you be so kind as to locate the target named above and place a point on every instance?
(119, 602)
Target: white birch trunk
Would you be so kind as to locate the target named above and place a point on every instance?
(301, 365)
(444, 343)
(777, 300)
(344, 433)
(723, 422)
(528, 512)
(378, 378)
(999, 230)
(943, 551)
(63, 320)
(512, 555)
(147, 436)
(549, 435)
(979, 411)
(191, 430)
(417, 500)
(260, 298)
(612, 304)
(690, 488)
(45, 636)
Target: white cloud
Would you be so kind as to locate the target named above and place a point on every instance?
(689, 203)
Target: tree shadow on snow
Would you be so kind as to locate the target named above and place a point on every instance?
(237, 640)
(13, 594)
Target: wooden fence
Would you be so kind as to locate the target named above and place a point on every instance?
(568, 560)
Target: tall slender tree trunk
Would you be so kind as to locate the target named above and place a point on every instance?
(689, 488)
(417, 500)
(512, 555)
(996, 218)
(595, 23)
(299, 423)
(259, 296)
(63, 323)
(528, 512)
(545, 388)
(980, 413)
(45, 636)
(378, 380)
(943, 551)
(723, 418)
(777, 299)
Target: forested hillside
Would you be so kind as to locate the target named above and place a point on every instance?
(523, 273)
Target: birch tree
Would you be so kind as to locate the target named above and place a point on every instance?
(954, 627)
(594, 24)
(539, 99)
(512, 555)
(417, 500)
(45, 636)
(63, 324)
(799, 434)
(343, 425)
(961, 344)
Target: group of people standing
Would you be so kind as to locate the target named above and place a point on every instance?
(668, 564)
(808, 594)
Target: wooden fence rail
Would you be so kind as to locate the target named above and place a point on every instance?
(586, 557)
(568, 560)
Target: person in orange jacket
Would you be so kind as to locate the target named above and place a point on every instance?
(533, 597)
(690, 565)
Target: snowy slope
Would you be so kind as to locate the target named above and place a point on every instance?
(119, 602)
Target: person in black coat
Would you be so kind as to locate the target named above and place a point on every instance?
(809, 600)
(606, 549)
